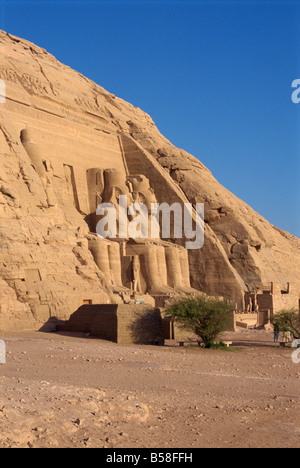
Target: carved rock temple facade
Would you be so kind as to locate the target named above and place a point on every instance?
(67, 145)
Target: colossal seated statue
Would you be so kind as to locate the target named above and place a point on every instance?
(156, 267)
(164, 266)
(40, 164)
(107, 257)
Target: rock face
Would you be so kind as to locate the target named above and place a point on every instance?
(65, 145)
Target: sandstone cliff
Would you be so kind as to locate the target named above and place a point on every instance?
(46, 268)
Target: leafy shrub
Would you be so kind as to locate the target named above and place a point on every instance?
(288, 321)
(220, 345)
(206, 317)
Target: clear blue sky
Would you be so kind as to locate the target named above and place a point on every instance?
(214, 75)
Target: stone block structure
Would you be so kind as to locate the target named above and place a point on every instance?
(260, 306)
(124, 324)
(273, 298)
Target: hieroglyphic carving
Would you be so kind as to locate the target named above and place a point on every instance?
(8, 75)
(30, 83)
(92, 107)
(87, 105)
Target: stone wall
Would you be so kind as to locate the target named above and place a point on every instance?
(275, 298)
(123, 323)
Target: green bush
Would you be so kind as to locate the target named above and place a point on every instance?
(206, 317)
(288, 321)
(220, 345)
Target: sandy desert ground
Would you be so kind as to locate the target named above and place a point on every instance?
(58, 391)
